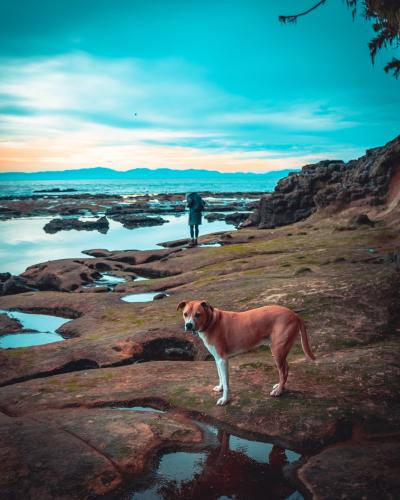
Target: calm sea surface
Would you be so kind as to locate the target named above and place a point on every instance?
(132, 186)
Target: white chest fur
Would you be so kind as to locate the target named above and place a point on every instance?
(211, 349)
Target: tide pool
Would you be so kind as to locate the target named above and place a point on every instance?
(24, 243)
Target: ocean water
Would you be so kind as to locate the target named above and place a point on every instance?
(136, 186)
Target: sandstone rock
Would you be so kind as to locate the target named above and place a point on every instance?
(101, 252)
(55, 190)
(55, 225)
(83, 454)
(17, 284)
(358, 469)
(174, 243)
(93, 289)
(4, 277)
(119, 212)
(9, 325)
(8, 213)
(229, 207)
(64, 275)
(362, 220)
(329, 183)
(213, 216)
(134, 221)
(237, 218)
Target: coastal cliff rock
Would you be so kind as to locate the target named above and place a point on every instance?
(367, 181)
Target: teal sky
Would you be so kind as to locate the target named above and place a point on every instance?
(214, 84)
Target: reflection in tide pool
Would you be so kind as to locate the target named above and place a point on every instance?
(228, 467)
(26, 239)
(106, 280)
(44, 329)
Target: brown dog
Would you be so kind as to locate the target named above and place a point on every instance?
(227, 333)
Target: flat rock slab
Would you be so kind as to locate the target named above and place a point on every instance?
(324, 394)
(77, 354)
(85, 453)
(364, 469)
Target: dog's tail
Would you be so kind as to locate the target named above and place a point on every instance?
(304, 340)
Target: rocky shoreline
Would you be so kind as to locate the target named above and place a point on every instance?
(60, 403)
(117, 207)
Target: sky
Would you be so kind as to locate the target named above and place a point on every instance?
(212, 84)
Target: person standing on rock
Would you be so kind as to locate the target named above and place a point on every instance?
(196, 205)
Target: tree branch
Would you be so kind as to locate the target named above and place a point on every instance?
(293, 18)
(394, 66)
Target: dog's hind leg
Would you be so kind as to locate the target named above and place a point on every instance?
(283, 370)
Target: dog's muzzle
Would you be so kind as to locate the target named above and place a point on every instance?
(189, 327)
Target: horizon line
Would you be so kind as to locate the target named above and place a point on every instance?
(151, 169)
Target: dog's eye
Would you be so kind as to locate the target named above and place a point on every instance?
(197, 315)
(185, 314)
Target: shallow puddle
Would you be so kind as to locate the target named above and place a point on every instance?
(141, 278)
(226, 466)
(209, 245)
(106, 280)
(141, 408)
(41, 329)
(140, 297)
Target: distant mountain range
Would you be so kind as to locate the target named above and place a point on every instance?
(97, 173)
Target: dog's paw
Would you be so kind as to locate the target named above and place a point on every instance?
(222, 401)
(276, 391)
(217, 388)
(275, 386)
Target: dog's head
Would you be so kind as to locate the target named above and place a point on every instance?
(197, 314)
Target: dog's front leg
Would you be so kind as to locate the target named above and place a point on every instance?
(218, 388)
(224, 373)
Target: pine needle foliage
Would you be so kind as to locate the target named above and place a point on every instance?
(384, 16)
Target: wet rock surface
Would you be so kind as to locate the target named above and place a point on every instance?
(335, 184)
(11, 285)
(9, 325)
(132, 221)
(373, 464)
(237, 218)
(69, 275)
(214, 216)
(83, 454)
(116, 207)
(54, 226)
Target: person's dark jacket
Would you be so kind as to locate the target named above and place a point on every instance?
(196, 206)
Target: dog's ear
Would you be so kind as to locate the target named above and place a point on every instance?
(206, 305)
(181, 305)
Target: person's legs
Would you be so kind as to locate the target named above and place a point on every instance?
(191, 231)
(196, 232)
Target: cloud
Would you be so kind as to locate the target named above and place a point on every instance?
(76, 110)
(311, 117)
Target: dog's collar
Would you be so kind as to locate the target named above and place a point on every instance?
(210, 319)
